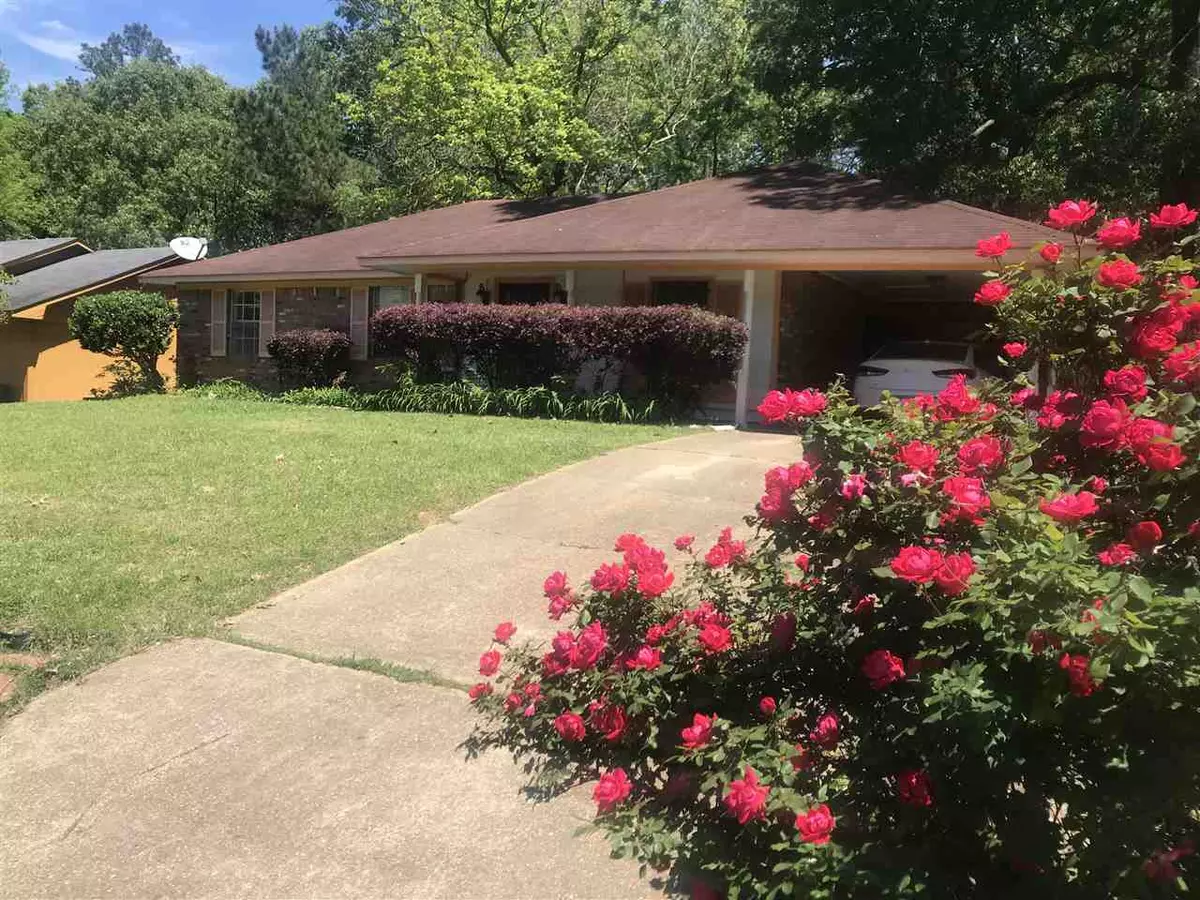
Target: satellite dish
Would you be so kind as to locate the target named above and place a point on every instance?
(190, 248)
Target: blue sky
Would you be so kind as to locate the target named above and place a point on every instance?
(39, 39)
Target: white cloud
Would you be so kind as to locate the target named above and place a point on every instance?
(57, 26)
(60, 48)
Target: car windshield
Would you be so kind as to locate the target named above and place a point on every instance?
(941, 350)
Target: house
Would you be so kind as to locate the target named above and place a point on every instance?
(822, 267)
(39, 360)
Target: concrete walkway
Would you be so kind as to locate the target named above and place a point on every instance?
(208, 769)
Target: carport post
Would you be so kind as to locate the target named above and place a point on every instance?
(760, 300)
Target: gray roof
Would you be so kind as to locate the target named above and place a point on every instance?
(10, 251)
(81, 272)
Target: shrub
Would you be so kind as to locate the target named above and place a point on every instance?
(133, 326)
(959, 656)
(678, 350)
(307, 357)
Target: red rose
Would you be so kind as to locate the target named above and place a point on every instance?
(553, 666)
(1070, 508)
(654, 582)
(589, 646)
(684, 541)
(969, 498)
(1026, 397)
(715, 638)
(1059, 408)
(1126, 383)
(1051, 252)
(559, 605)
(747, 798)
(774, 506)
(1183, 366)
(992, 293)
(1119, 274)
(1070, 214)
(774, 407)
(555, 584)
(612, 788)
(611, 578)
(1014, 349)
(1039, 640)
(1117, 233)
(1172, 216)
(699, 732)
(1117, 555)
(816, 825)
(489, 663)
(916, 565)
(607, 719)
(995, 246)
(956, 399)
(767, 706)
(980, 455)
(914, 788)
(1181, 293)
(1151, 442)
(807, 402)
(1104, 425)
(648, 658)
(789, 479)
(479, 690)
(882, 667)
(918, 457)
(828, 731)
(865, 605)
(1160, 867)
(1162, 457)
(1097, 484)
(802, 561)
(954, 574)
(504, 631)
(725, 551)
(1079, 676)
(569, 726)
(854, 486)
(789, 406)
(1153, 337)
(1144, 535)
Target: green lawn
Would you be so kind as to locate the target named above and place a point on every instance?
(126, 521)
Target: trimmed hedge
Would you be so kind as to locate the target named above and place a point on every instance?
(307, 357)
(677, 350)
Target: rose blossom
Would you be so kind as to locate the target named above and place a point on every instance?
(715, 638)
(954, 574)
(1119, 274)
(1103, 425)
(611, 578)
(1161, 866)
(995, 246)
(916, 565)
(1051, 252)
(918, 457)
(827, 733)
(1014, 349)
(816, 825)
(1172, 216)
(1126, 383)
(1026, 397)
(767, 706)
(1151, 442)
(1097, 485)
(1117, 555)
(725, 551)
(699, 732)
(802, 561)
(956, 399)
(865, 605)
(559, 605)
(980, 455)
(479, 690)
(1079, 676)
(914, 788)
(1157, 334)
(1120, 232)
(968, 497)
(1070, 508)
(992, 293)
(684, 541)
(489, 663)
(854, 486)
(570, 726)
(608, 719)
(790, 406)
(504, 631)
(882, 667)
(648, 658)
(1070, 214)
(1145, 534)
(747, 798)
(612, 788)
(1183, 366)
(589, 646)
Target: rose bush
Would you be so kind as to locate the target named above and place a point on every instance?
(973, 673)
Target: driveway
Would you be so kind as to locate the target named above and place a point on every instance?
(204, 768)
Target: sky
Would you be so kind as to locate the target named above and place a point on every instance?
(39, 39)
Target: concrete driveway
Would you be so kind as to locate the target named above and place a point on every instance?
(203, 768)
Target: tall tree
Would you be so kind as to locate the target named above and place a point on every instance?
(134, 41)
(1004, 104)
(19, 207)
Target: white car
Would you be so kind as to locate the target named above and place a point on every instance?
(908, 368)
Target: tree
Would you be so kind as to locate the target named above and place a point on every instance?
(134, 41)
(996, 104)
(19, 208)
(134, 327)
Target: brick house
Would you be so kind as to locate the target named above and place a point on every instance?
(818, 264)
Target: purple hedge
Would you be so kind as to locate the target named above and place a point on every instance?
(309, 357)
(676, 350)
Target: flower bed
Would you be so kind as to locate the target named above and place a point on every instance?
(958, 657)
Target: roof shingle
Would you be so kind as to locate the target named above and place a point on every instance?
(81, 272)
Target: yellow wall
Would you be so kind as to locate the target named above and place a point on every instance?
(40, 360)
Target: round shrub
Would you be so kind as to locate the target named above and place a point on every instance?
(957, 657)
(308, 357)
(133, 326)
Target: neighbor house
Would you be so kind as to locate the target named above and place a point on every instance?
(39, 360)
(821, 266)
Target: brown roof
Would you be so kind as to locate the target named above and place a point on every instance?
(793, 207)
(338, 251)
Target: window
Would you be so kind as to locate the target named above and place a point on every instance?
(679, 293)
(527, 292)
(383, 296)
(441, 293)
(245, 314)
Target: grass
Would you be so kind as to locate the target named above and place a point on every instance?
(125, 522)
